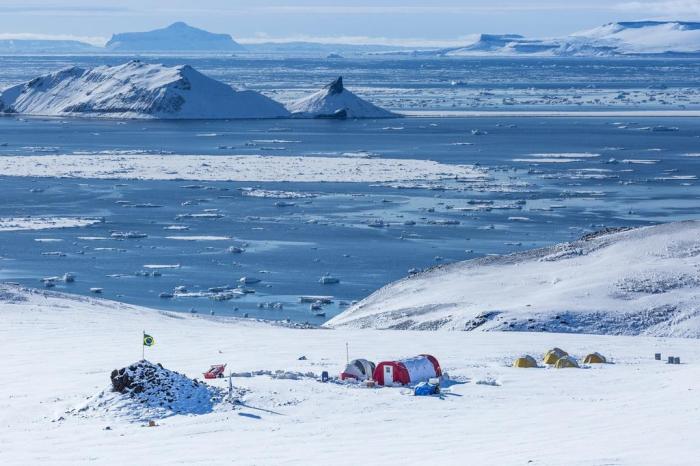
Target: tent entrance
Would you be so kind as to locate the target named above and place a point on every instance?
(388, 375)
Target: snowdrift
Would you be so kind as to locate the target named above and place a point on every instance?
(147, 391)
(178, 37)
(641, 281)
(334, 101)
(136, 90)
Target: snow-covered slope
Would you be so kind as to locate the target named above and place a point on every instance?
(642, 281)
(637, 37)
(334, 101)
(58, 352)
(647, 36)
(136, 90)
(178, 37)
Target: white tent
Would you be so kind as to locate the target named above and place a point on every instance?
(359, 369)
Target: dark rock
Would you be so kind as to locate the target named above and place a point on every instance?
(335, 87)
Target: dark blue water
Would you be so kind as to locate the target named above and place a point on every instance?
(523, 204)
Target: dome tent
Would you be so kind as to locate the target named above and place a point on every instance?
(566, 362)
(594, 358)
(525, 361)
(358, 369)
(407, 371)
(554, 355)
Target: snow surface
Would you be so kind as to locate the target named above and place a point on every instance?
(136, 90)
(334, 101)
(642, 281)
(233, 168)
(178, 37)
(58, 352)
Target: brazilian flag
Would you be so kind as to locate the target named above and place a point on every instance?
(148, 340)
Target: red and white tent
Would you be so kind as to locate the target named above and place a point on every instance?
(358, 369)
(407, 371)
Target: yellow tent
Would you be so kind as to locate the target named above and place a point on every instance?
(595, 358)
(566, 361)
(554, 355)
(525, 361)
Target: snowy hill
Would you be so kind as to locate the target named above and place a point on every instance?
(178, 37)
(145, 391)
(624, 38)
(60, 350)
(136, 90)
(334, 101)
(647, 36)
(642, 281)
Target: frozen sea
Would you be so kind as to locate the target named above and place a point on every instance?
(548, 180)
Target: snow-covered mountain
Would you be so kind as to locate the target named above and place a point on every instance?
(647, 36)
(624, 38)
(334, 101)
(136, 90)
(641, 281)
(177, 37)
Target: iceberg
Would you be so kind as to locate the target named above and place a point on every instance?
(136, 90)
(336, 102)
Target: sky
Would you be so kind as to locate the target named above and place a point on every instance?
(393, 22)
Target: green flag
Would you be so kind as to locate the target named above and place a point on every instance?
(148, 340)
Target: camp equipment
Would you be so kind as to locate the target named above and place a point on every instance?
(566, 362)
(407, 371)
(553, 355)
(215, 372)
(525, 361)
(358, 369)
(427, 388)
(594, 358)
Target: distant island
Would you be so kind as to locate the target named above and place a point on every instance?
(178, 37)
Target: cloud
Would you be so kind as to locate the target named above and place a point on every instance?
(93, 40)
(379, 7)
(677, 9)
(60, 9)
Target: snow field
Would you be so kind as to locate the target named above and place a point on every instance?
(60, 351)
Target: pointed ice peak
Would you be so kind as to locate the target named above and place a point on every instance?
(334, 101)
(336, 86)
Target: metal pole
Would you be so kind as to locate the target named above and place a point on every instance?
(143, 346)
(347, 353)
(230, 387)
